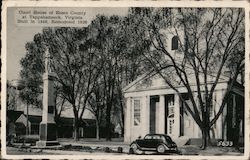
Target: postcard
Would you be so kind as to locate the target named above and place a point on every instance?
(125, 80)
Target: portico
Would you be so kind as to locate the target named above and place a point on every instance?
(158, 114)
(153, 107)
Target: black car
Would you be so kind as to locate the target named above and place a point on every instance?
(153, 142)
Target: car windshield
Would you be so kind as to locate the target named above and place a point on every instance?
(168, 139)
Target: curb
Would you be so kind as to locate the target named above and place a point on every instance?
(73, 149)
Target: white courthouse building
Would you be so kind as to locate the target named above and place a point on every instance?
(153, 107)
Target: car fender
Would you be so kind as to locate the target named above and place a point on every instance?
(135, 143)
(139, 147)
(166, 147)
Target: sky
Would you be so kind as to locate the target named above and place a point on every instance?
(18, 36)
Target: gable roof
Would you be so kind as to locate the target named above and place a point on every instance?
(133, 86)
(13, 115)
(138, 79)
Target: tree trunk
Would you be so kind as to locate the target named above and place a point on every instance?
(108, 123)
(206, 141)
(204, 138)
(207, 129)
(76, 130)
(97, 129)
(122, 116)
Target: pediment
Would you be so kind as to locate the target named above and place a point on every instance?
(149, 81)
(146, 82)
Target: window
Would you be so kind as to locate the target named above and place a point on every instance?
(137, 110)
(213, 103)
(156, 137)
(168, 139)
(171, 110)
(170, 102)
(163, 139)
(175, 43)
(148, 137)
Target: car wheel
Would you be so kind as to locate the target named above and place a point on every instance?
(161, 148)
(135, 148)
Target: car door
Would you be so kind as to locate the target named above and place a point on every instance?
(146, 142)
(156, 140)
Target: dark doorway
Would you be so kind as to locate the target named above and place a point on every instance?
(235, 119)
(185, 96)
(166, 114)
(153, 100)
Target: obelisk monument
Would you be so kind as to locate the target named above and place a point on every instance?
(47, 131)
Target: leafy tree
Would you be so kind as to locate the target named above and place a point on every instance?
(81, 56)
(31, 74)
(96, 106)
(73, 63)
(210, 41)
(121, 62)
(110, 46)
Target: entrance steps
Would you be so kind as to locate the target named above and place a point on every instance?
(181, 141)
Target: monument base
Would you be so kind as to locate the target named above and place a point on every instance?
(48, 135)
(48, 132)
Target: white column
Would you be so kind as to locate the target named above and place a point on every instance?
(148, 114)
(127, 127)
(219, 97)
(161, 114)
(157, 113)
(145, 115)
(196, 127)
(29, 128)
(176, 116)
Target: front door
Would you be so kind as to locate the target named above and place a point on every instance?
(153, 101)
(169, 114)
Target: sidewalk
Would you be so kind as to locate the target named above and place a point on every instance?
(95, 144)
(209, 151)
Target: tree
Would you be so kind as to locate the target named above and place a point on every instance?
(96, 106)
(60, 106)
(81, 57)
(210, 41)
(111, 46)
(121, 62)
(31, 74)
(73, 63)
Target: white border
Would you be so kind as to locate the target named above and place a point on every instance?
(241, 4)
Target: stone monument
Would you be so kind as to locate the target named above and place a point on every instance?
(47, 131)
